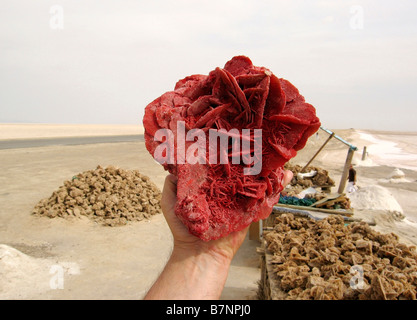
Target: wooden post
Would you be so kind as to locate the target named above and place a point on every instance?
(321, 148)
(254, 231)
(345, 173)
(364, 153)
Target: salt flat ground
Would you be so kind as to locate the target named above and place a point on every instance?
(122, 262)
(106, 262)
(386, 152)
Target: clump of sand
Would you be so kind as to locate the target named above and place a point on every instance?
(111, 196)
(23, 276)
(397, 174)
(18, 270)
(375, 197)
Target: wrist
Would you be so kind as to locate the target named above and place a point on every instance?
(202, 253)
(203, 274)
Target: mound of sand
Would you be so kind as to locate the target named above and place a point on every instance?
(22, 275)
(397, 174)
(395, 177)
(13, 263)
(375, 197)
(111, 196)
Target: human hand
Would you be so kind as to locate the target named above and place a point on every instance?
(223, 248)
(196, 269)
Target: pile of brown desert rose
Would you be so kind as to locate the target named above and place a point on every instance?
(111, 196)
(326, 259)
(320, 179)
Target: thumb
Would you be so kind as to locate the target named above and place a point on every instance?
(169, 194)
(288, 175)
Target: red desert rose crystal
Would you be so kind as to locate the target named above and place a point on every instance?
(215, 199)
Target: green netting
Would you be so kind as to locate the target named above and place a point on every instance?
(296, 201)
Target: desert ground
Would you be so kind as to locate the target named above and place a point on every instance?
(43, 258)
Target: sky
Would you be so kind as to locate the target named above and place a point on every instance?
(102, 61)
